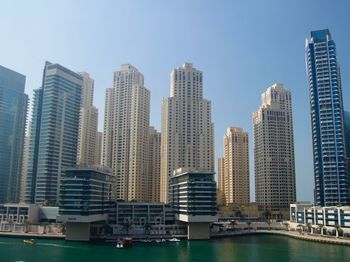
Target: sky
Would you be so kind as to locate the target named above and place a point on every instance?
(242, 47)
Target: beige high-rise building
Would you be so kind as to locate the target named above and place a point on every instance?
(125, 143)
(234, 167)
(154, 165)
(274, 150)
(87, 123)
(187, 131)
(108, 128)
(98, 148)
(24, 169)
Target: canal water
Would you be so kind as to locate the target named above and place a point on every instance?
(239, 248)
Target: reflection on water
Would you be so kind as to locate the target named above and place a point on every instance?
(243, 248)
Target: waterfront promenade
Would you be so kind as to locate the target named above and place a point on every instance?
(293, 234)
(32, 235)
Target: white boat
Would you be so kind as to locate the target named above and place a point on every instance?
(174, 239)
(119, 244)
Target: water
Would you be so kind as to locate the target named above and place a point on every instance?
(244, 248)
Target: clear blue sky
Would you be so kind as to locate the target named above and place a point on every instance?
(241, 46)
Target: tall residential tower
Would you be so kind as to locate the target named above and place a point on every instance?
(187, 130)
(53, 132)
(13, 110)
(327, 120)
(274, 150)
(234, 167)
(87, 124)
(126, 128)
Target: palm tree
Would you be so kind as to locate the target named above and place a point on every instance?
(269, 223)
(248, 224)
(320, 226)
(267, 214)
(62, 228)
(299, 228)
(45, 224)
(147, 227)
(26, 225)
(233, 223)
(127, 226)
(337, 230)
(11, 224)
(309, 226)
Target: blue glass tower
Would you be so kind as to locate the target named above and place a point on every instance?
(347, 133)
(53, 132)
(327, 120)
(13, 110)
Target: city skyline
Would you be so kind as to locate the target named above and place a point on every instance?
(224, 92)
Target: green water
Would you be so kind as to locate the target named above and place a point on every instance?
(244, 248)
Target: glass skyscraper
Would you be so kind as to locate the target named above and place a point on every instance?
(54, 132)
(327, 120)
(13, 110)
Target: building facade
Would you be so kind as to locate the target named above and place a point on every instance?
(187, 130)
(275, 187)
(53, 132)
(126, 128)
(13, 110)
(154, 165)
(88, 123)
(192, 195)
(234, 167)
(327, 120)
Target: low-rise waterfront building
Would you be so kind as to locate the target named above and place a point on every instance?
(330, 218)
(192, 195)
(85, 197)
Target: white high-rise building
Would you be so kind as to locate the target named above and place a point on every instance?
(187, 131)
(274, 150)
(126, 139)
(87, 124)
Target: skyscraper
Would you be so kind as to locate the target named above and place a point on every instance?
(54, 132)
(13, 110)
(327, 120)
(347, 133)
(108, 128)
(274, 150)
(187, 131)
(98, 148)
(87, 124)
(125, 145)
(154, 165)
(234, 167)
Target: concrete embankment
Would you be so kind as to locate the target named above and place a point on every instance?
(31, 235)
(293, 234)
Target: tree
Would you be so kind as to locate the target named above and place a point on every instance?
(266, 214)
(299, 228)
(337, 230)
(127, 226)
(309, 226)
(62, 228)
(248, 224)
(11, 224)
(26, 225)
(233, 223)
(147, 227)
(320, 226)
(45, 224)
(269, 223)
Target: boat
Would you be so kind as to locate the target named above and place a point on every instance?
(29, 241)
(120, 244)
(174, 239)
(125, 242)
